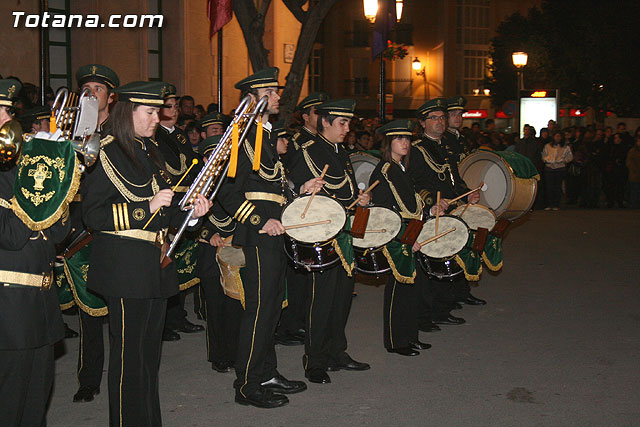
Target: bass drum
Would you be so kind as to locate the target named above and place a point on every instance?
(363, 166)
(507, 195)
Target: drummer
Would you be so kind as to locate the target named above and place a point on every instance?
(433, 169)
(306, 111)
(396, 191)
(455, 142)
(331, 291)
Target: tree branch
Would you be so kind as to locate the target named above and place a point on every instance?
(295, 7)
(264, 7)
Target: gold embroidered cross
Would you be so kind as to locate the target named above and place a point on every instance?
(39, 174)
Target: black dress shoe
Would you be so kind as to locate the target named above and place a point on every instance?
(280, 384)
(349, 364)
(222, 367)
(262, 398)
(317, 376)
(189, 328)
(457, 306)
(404, 351)
(86, 394)
(449, 320)
(169, 335)
(418, 345)
(288, 339)
(69, 333)
(429, 327)
(471, 300)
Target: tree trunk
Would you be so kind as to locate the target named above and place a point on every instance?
(252, 25)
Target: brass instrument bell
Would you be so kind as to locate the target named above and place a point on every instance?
(10, 142)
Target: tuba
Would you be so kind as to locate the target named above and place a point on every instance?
(210, 178)
(75, 118)
(10, 143)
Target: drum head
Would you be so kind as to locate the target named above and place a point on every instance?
(379, 219)
(363, 166)
(232, 256)
(476, 216)
(496, 174)
(322, 208)
(447, 245)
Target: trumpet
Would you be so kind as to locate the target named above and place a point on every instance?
(215, 169)
(76, 119)
(10, 142)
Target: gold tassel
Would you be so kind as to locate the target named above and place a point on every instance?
(233, 162)
(258, 149)
(52, 123)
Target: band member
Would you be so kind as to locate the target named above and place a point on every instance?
(213, 124)
(402, 291)
(255, 199)
(121, 195)
(36, 120)
(178, 154)
(432, 170)
(306, 110)
(222, 313)
(31, 321)
(100, 81)
(330, 291)
(455, 142)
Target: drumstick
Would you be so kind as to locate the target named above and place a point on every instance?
(464, 210)
(306, 208)
(436, 237)
(193, 163)
(437, 212)
(371, 187)
(481, 187)
(307, 224)
(382, 230)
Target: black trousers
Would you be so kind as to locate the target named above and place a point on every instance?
(400, 312)
(176, 314)
(292, 317)
(223, 316)
(135, 331)
(263, 284)
(435, 298)
(26, 379)
(329, 302)
(91, 350)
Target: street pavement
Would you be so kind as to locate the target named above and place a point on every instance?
(557, 345)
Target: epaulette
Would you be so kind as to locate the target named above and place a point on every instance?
(5, 204)
(415, 142)
(295, 136)
(308, 144)
(106, 140)
(386, 167)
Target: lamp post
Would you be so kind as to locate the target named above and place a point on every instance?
(519, 61)
(421, 71)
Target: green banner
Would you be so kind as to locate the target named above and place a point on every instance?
(186, 258)
(521, 165)
(470, 262)
(75, 270)
(492, 254)
(401, 259)
(47, 180)
(65, 296)
(343, 244)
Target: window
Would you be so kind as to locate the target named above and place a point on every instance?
(361, 32)
(315, 70)
(472, 36)
(58, 42)
(154, 43)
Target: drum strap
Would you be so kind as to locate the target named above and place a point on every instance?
(403, 208)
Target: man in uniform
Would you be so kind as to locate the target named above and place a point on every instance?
(213, 124)
(330, 291)
(432, 170)
(178, 155)
(254, 198)
(100, 80)
(36, 120)
(30, 319)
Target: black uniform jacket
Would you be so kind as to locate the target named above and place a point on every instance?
(433, 169)
(455, 144)
(291, 157)
(340, 180)
(251, 215)
(395, 190)
(116, 195)
(178, 155)
(217, 221)
(29, 316)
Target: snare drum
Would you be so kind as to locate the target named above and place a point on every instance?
(311, 247)
(385, 225)
(231, 260)
(363, 166)
(438, 257)
(476, 216)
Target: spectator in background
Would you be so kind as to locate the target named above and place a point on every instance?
(198, 112)
(556, 156)
(608, 135)
(212, 108)
(575, 177)
(364, 141)
(594, 146)
(530, 148)
(489, 126)
(626, 138)
(350, 141)
(184, 120)
(545, 137)
(192, 131)
(187, 105)
(633, 165)
(615, 173)
(552, 127)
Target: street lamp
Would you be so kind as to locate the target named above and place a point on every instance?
(519, 61)
(370, 10)
(421, 71)
(399, 6)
